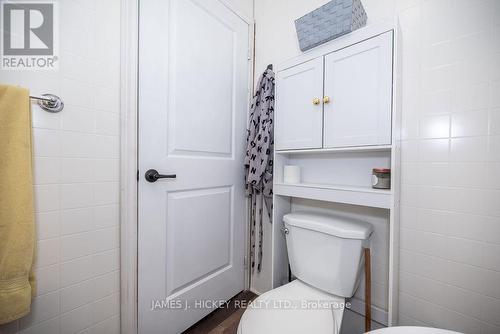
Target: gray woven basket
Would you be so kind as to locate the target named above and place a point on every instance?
(334, 19)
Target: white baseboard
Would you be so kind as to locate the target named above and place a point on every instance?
(379, 315)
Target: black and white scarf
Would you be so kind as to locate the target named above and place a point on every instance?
(259, 157)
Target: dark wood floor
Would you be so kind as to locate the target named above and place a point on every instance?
(223, 320)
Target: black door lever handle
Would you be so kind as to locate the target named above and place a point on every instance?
(152, 175)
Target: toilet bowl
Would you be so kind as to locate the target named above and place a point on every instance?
(293, 308)
(411, 330)
(325, 254)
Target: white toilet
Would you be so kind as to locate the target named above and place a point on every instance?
(411, 330)
(326, 255)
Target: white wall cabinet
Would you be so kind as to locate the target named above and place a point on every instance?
(299, 95)
(340, 99)
(358, 88)
(338, 115)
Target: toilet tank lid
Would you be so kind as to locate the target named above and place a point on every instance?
(338, 226)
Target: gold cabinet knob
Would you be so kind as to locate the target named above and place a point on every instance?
(326, 99)
(316, 101)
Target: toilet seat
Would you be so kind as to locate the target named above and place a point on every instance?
(411, 330)
(294, 308)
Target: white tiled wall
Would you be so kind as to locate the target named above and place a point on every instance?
(450, 238)
(76, 168)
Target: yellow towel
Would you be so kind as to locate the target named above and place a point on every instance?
(17, 229)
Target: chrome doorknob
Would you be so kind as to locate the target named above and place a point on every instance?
(152, 175)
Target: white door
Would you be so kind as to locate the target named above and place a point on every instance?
(299, 110)
(193, 102)
(358, 84)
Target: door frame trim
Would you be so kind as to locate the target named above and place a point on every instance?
(128, 164)
(129, 73)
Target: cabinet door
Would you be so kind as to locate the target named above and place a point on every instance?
(299, 111)
(358, 85)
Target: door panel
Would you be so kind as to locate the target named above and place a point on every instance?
(358, 81)
(201, 32)
(298, 120)
(193, 103)
(208, 227)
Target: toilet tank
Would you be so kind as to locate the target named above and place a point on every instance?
(326, 251)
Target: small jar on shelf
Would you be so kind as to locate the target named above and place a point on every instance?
(381, 178)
